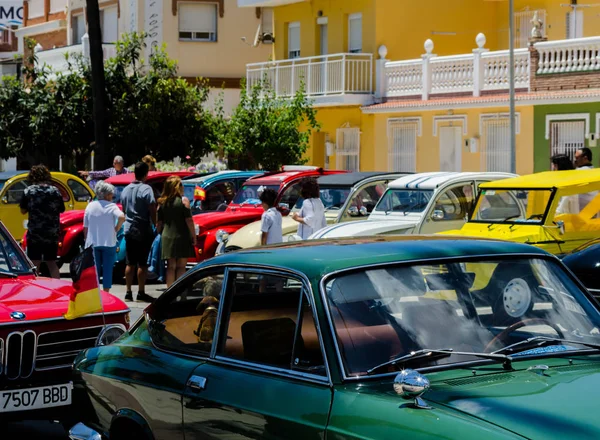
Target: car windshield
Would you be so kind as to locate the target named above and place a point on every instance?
(333, 198)
(251, 193)
(406, 201)
(511, 205)
(468, 306)
(11, 259)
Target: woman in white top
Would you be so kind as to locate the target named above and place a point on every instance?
(101, 221)
(311, 217)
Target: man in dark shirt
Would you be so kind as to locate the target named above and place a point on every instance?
(44, 203)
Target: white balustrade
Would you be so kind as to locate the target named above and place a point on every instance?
(56, 59)
(452, 74)
(325, 75)
(575, 55)
(496, 69)
(404, 78)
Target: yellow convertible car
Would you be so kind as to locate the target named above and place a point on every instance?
(555, 210)
(76, 195)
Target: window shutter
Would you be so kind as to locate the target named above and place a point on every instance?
(267, 20)
(194, 17)
(347, 149)
(110, 27)
(355, 33)
(294, 39)
(402, 146)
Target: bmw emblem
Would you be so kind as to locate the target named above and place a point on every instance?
(17, 315)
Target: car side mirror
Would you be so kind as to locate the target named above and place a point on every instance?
(561, 227)
(353, 211)
(437, 215)
(363, 211)
(284, 208)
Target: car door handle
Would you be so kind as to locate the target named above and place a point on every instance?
(197, 383)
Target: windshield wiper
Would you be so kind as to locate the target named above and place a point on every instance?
(430, 354)
(511, 217)
(538, 341)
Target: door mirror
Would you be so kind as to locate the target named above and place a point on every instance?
(363, 211)
(561, 227)
(284, 208)
(437, 215)
(353, 211)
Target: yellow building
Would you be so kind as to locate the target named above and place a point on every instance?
(443, 105)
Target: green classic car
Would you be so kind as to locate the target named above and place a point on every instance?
(377, 338)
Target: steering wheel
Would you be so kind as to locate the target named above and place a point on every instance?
(500, 337)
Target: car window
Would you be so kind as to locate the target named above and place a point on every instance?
(14, 193)
(270, 322)
(367, 197)
(185, 320)
(63, 191)
(251, 193)
(220, 193)
(455, 203)
(80, 192)
(407, 201)
(291, 196)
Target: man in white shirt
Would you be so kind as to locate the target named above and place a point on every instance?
(271, 219)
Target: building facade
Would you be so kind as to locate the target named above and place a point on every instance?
(422, 86)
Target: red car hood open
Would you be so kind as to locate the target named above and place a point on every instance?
(69, 218)
(232, 215)
(42, 298)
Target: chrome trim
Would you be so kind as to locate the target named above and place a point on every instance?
(91, 315)
(71, 330)
(213, 347)
(45, 357)
(65, 342)
(1, 356)
(106, 328)
(281, 372)
(265, 269)
(325, 300)
(82, 432)
(20, 374)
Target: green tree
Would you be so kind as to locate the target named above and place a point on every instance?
(266, 131)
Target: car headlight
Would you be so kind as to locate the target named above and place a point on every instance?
(222, 236)
(110, 334)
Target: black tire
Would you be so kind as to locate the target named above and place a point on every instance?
(516, 293)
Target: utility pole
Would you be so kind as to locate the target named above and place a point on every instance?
(511, 81)
(98, 85)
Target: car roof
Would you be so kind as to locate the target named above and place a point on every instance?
(351, 179)
(316, 258)
(435, 179)
(125, 179)
(284, 176)
(210, 178)
(549, 179)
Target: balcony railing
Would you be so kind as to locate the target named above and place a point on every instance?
(484, 71)
(320, 76)
(56, 59)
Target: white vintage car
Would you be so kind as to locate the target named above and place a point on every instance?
(347, 197)
(423, 203)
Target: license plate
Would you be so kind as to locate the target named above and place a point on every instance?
(36, 398)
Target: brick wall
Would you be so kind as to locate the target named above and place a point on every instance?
(559, 81)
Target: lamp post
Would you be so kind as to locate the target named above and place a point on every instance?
(511, 87)
(98, 86)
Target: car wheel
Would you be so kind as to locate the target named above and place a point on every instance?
(515, 295)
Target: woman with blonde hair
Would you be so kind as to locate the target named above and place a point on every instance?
(150, 161)
(177, 228)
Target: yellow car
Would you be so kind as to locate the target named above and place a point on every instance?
(555, 210)
(76, 195)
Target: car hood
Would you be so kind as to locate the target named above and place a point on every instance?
(214, 219)
(42, 298)
(69, 218)
(557, 404)
(366, 228)
(530, 234)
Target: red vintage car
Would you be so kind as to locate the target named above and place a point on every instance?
(71, 239)
(246, 207)
(37, 344)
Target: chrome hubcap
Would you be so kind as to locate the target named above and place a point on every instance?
(516, 297)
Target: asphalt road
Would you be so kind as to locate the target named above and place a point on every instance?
(46, 430)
